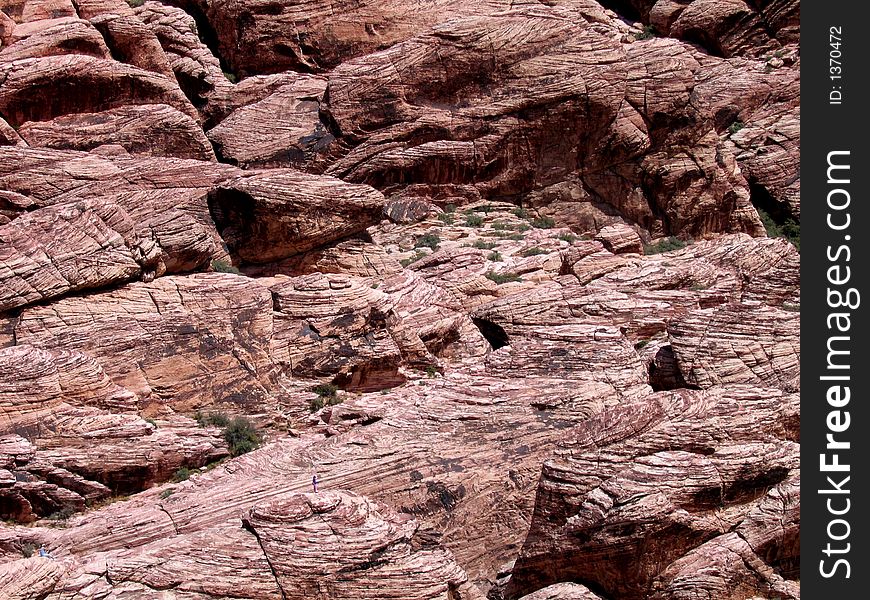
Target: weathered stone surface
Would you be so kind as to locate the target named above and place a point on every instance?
(282, 129)
(519, 406)
(189, 340)
(620, 239)
(562, 591)
(724, 28)
(630, 154)
(643, 484)
(344, 545)
(746, 343)
(150, 129)
(76, 83)
(64, 248)
(335, 325)
(272, 215)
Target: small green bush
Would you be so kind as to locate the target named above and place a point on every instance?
(450, 208)
(534, 251)
(135, 3)
(428, 240)
(544, 223)
(446, 218)
(736, 126)
(27, 550)
(473, 221)
(790, 229)
(166, 493)
(641, 344)
(515, 237)
(483, 245)
(494, 256)
(412, 259)
(62, 515)
(221, 266)
(666, 245)
(431, 370)
(498, 226)
(501, 278)
(325, 390)
(182, 474)
(647, 33)
(231, 77)
(212, 419)
(520, 213)
(568, 237)
(151, 422)
(485, 208)
(241, 436)
(316, 404)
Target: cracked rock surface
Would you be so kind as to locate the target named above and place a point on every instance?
(486, 285)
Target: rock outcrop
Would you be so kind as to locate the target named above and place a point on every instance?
(440, 300)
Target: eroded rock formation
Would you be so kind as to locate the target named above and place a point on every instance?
(486, 283)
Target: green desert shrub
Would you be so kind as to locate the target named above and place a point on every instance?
(428, 240)
(544, 223)
(222, 266)
(665, 245)
(241, 436)
(501, 278)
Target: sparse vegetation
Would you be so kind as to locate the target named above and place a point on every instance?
(544, 223)
(736, 126)
(151, 422)
(790, 230)
(641, 344)
(62, 515)
(568, 237)
(533, 251)
(501, 278)
(212, 419)
(665, 245)
(135, 3)
(450, 208)
(494, 256)
(231, 77)
(325, 390)
(182, 474)
(428, 240)
(647, 33)
(412, 259)
(431, 370)
(473, 220)
(520, 213)
(327, 395)
(515, 237)
(697, 287)
(483, 245)
(241, 436)
(485, 208)
(27, 550)
(222, 266)
(446, 218)
(499, 226)
(166, 493)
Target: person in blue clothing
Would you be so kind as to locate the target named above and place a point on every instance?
(45, 553)
(314, 482)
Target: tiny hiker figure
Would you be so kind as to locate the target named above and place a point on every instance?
(45, 553)
(314, 482)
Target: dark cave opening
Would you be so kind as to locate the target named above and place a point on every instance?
(494, 334)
